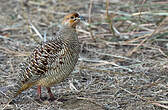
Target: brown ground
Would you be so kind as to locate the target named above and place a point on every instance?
(123, 63)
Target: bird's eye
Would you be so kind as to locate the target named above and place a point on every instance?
(72, 17)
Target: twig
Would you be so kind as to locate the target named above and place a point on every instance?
(11, 65)
(133, 40)
(140, 26)
(134, 94)
(90, 10)
(109, 18)
(160, 105)
(147, 36)
(92, 101)
(45, 37)
(72, 87)
(116, 56)
(4, 37)
(34, 100)
(36, 31)
(13, 52)
(141, 8)
(157, 103)
(103, 70)
(7, 104)
(162, 53)
(136, 48)
(83, 31)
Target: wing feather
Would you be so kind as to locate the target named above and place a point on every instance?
(40, 61)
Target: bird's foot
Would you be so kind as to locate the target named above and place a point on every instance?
(41, 99)
(51, 99)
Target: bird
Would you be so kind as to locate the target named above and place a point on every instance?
(52, 61)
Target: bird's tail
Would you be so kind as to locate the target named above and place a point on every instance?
(13, 91)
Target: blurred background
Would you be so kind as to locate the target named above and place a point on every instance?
(123, 63)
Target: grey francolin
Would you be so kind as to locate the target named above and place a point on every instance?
(52, 61)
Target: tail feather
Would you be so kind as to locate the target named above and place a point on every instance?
(23, 88)
(13, 91)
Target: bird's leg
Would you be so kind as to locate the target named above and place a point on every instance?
(50, 94)
(39, 92)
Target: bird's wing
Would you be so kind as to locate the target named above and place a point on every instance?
(41, 61)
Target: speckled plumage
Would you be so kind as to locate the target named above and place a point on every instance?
(52, 61)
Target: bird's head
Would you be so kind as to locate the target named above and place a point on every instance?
(72, 19)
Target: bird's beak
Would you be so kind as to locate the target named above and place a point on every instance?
(81, 18)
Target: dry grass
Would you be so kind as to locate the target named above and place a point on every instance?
(123, 63)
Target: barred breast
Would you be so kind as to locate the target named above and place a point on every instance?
(52, 61)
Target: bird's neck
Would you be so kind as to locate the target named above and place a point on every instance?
(67, 33)
(68, 27)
